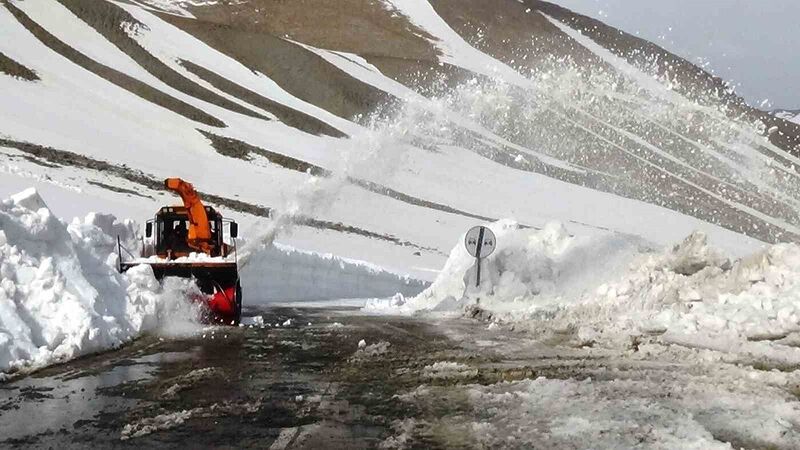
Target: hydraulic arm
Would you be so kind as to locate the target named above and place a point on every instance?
(199, 235)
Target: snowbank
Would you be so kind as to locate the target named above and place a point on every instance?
(279, 273)
(693, 296)
(60, 296)
(613, 288)
(528, 266)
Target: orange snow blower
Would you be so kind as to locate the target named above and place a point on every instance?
(189, 241)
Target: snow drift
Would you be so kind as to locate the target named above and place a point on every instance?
(60, 296)
(610, 289)
(529, 267)
(279, 273)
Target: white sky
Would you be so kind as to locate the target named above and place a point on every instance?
(753, 43)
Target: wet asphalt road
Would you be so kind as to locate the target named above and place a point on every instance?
(310, 385)
(295, 386)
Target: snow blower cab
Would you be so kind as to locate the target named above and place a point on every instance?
(190, 241)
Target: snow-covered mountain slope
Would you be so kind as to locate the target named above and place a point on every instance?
(789, 115)
(380, 130)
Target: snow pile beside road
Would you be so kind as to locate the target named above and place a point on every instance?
(60, 296)
(693, 296)
(279, 273)
(528, 267)
(612, 289)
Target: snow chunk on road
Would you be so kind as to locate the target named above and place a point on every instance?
(166, 421)
(157, 423)
(448, 370)
(60, 296)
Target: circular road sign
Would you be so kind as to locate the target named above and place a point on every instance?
(480, 242)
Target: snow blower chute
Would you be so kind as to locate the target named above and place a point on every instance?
(189, 241)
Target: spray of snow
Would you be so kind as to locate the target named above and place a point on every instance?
(60, 296)
(375, 152)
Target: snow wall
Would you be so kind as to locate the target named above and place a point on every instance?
(278, 273)
(60, 296)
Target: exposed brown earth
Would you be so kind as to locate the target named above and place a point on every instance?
(245, 30)
(363, 27)
(110, 20)
(235, 148)
(118, 189)
(10, 67)
(287, 115)
(513, 33)
(297, 70)
(116, 77)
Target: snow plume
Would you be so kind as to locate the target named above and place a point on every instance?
(620, 125)
(313, 197)
(376, 153)
(60, 296)
(615, 128)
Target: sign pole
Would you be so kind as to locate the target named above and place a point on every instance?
(480, 243)
(478, 256)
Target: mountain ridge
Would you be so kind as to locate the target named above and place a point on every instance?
(430, 112)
